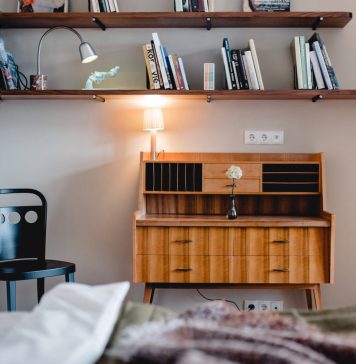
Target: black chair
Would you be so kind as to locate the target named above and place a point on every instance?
(23, 245)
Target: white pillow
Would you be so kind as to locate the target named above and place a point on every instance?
(71, 325)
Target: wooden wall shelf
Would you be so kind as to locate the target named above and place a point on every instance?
(177, 20)
(101, 95)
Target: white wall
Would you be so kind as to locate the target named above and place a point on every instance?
(84, 156)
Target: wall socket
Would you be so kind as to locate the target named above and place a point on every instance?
(264, 137)
(254, 305)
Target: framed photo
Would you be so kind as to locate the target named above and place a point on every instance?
(43, 6)
(266, 5)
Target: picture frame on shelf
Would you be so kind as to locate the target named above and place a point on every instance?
(43, 6)
(266, 5)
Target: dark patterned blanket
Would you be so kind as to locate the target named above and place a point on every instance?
(218, 333)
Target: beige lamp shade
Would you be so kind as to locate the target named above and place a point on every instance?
(153, 119)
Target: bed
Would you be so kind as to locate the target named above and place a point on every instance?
(79, 324)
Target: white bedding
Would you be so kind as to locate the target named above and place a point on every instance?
(71, 325)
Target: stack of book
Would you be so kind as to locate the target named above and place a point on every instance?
(104, 6)
(242, 68)
(164, 71)
(193, 5)
(312, 65)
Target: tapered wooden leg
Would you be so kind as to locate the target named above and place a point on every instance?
(317, 297)
(11, 295)
(149, 293)
(70, 277)
(309, 295)
(40, 288)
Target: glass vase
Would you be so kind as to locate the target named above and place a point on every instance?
(232, 211)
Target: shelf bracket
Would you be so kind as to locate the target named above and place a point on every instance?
(318, 22)
(208, 23)
(98, 98)
(317, 98)
(99, 23)
(208, 99)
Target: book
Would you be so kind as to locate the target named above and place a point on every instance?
(181, 66)
(234, 67)
(267, 5)
(322, 64)
(226, 67)
(166, 66)
(116, 4)
(102, 6)
(107, 5)
(256, 63)
(247, 72)
(309, 71)
(157, 65)
(160, 59)
(174, 75)
(151, 67)
(112, 6)
(295, 47)
(304, 61)
(251, 71)
(316, 70)
(178, 72)
(206, 5)
(201, 5)
(211, 5)
(194, 5)
(209, 76)
(94, 6)
(226, 45)
(186, 6)
(237, 67)
(246, 85)
(178, 5)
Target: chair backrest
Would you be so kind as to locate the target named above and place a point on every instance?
(23, 228)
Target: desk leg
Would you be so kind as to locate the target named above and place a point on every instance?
(309, 296)
(149, 292)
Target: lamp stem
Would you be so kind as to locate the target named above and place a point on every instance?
(153, 145)
(44, 35)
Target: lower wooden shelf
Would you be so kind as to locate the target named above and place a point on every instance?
(102, 95)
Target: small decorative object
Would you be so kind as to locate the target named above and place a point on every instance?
(234, 173)
(99, 77)
(42, 6)
(209, 76)
(266, 5)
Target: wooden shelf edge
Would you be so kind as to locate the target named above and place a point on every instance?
(100, 95)
(177, 20)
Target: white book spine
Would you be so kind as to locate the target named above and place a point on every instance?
(298, 62)
(161, 63)
(107, 6)
(252, 71)
(226, 67)
(116, 6)
(66, 6)
(181, 66)
(178, 5)
(154, 70)
(206, 6)
(171, 63)
(112, 6)
(256, 64)
(247, 71)
(309, 74)
(323, 68)
(211, 5)
(94, 6)
(212, 76)
(317, 71)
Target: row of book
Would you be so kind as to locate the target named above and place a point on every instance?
(242, 68)
(104, 6)
(164, 71)
(193, 5)
(312, 65)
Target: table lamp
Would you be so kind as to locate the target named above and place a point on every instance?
(153, 121)
(87, 54)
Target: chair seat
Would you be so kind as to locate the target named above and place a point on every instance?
(17, 270)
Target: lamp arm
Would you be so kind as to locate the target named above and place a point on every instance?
(44, 35)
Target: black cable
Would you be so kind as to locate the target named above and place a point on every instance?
(219, 299)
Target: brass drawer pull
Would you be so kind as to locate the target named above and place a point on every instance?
(184, 270)
(280, 270)
(281, 241)
(184, 241)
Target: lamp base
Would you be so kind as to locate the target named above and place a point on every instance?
(38, 82)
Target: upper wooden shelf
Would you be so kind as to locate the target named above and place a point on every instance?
(177, 20)
(101, 95)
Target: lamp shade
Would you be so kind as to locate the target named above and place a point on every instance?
(87, 53)
(153, 119)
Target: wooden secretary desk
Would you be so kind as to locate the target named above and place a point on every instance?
(282, 238)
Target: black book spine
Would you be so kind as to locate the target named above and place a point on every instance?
(237, 67)
(185, 5)
(243, 69)
(195, 5)
(102, 6)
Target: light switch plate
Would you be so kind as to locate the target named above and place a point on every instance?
(270, 137)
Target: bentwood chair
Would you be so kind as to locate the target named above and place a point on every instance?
(23, 246)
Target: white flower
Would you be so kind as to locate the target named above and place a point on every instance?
(234, 172)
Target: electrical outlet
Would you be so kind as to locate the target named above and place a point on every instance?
(250, 305)
(276, 305)
(264, 305)
(264, 137)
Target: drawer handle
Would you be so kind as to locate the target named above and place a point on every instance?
(281, 241)
(280, 270)
(184, 270)
(186, 241)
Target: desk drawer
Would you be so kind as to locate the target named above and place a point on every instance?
(219, 185)
(218, 170)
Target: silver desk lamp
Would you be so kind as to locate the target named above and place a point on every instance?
(87, 54)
